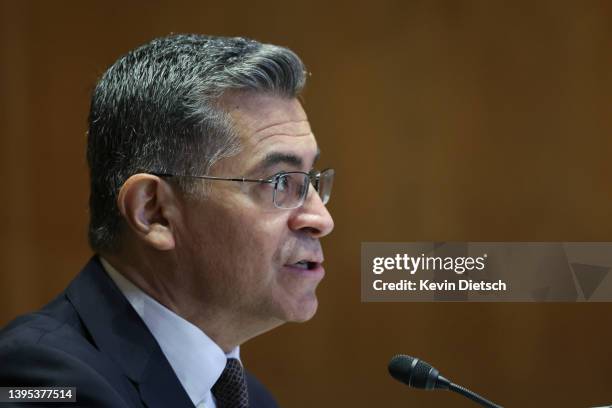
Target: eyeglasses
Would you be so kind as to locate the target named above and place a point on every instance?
(290, 188)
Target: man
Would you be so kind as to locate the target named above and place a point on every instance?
(206, 216)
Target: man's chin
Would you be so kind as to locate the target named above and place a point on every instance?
(304, 311)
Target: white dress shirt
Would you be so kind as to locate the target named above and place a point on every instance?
(195, 358)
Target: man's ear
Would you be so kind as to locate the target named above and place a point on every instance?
(148, 204)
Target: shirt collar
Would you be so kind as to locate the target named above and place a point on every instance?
(195, 358)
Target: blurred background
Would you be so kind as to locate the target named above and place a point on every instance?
(445, 120)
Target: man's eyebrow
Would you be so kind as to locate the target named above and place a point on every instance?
(275, 158)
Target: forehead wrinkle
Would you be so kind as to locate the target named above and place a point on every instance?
(260, 139)
(280, 123)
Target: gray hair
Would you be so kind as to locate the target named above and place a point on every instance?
(158, 109)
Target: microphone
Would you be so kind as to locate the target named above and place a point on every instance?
(417, 373)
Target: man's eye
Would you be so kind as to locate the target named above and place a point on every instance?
(282, 182)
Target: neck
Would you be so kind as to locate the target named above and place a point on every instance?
(161, 280)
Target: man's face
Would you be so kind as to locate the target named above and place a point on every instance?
(246, 257)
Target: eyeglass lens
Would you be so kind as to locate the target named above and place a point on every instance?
(326, 182)
(292, 188)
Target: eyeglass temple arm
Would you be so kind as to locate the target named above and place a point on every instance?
(216, 178)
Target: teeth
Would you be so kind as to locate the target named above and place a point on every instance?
(302, 264)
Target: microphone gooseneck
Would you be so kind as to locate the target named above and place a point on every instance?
(417, 373)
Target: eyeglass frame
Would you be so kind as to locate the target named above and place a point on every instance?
(314, 180)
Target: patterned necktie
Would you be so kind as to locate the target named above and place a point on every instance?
(230, 390)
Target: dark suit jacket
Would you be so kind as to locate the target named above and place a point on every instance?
(91, 338)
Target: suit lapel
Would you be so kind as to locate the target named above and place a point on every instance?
(120, 333)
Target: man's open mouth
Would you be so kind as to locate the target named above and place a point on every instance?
(306, 265)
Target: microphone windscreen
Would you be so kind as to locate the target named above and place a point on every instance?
(412, 371)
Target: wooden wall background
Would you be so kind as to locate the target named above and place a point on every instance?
(445, 120)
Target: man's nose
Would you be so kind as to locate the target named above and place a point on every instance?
(312, 217)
